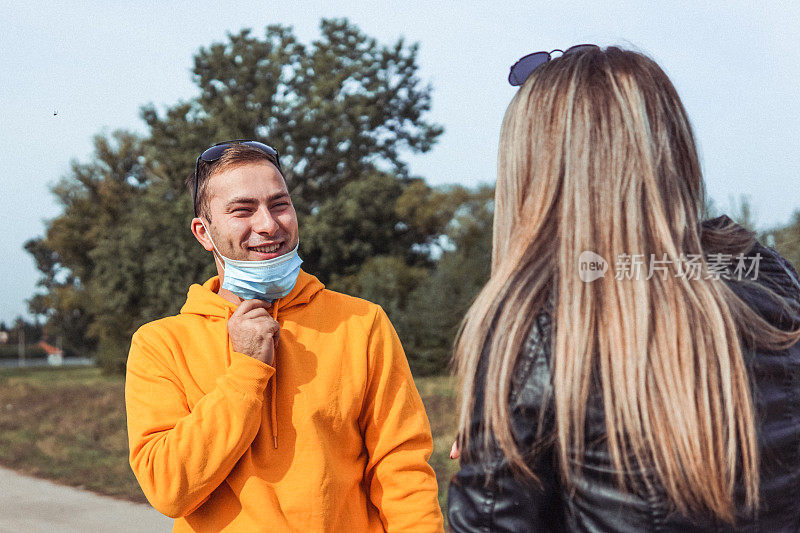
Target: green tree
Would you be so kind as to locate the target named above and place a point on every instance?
(336, 109)
(367, 219)
(463, 269)
(426, 305)
(77, 256)
(342, 111)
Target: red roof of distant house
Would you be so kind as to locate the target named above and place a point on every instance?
(49, 349)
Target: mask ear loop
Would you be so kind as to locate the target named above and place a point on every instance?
(216, 252)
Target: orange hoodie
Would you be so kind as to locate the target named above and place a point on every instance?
(332, 437)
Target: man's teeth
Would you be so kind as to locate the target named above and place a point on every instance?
(267, 249)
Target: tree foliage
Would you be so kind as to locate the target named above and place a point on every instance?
(342, 111)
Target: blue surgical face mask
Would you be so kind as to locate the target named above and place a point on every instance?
(264, 280)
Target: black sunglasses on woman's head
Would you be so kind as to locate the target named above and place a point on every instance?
(522, 69)
(215, 151)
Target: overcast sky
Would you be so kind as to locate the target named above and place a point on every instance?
(736, 65)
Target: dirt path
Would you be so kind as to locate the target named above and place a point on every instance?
(34, 505)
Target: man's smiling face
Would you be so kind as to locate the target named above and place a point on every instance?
(252, 216)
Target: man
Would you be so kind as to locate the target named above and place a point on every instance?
(270, 403)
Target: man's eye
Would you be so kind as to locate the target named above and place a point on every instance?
(241, 210)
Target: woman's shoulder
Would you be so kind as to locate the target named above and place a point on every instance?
(775, 272)
(760, 276)
(722, 236)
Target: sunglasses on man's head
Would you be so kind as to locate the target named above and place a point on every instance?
(214, 152)
(522, 69)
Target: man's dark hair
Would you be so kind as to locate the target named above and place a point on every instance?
(235, 156)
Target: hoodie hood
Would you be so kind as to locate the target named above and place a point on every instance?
(204, 299)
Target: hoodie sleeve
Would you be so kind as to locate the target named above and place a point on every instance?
(180, 456)
(397, 435)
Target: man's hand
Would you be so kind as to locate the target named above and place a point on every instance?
(253, 331)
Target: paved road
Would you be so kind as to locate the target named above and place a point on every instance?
(34, 505)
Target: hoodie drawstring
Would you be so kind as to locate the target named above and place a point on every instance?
(228, 314)
(274, 408)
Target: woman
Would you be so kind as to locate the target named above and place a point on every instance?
(636, 398)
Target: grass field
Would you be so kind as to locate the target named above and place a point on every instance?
(68, 425)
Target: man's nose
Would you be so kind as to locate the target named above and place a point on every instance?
(264, 222)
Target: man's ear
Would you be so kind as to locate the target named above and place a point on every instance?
(201, 234)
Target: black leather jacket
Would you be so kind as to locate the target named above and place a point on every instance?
(597, 505)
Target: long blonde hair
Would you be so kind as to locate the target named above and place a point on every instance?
(597, 153)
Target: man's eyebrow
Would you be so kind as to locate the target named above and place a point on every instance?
(250, 200)
(278, 196)
(242, 200)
